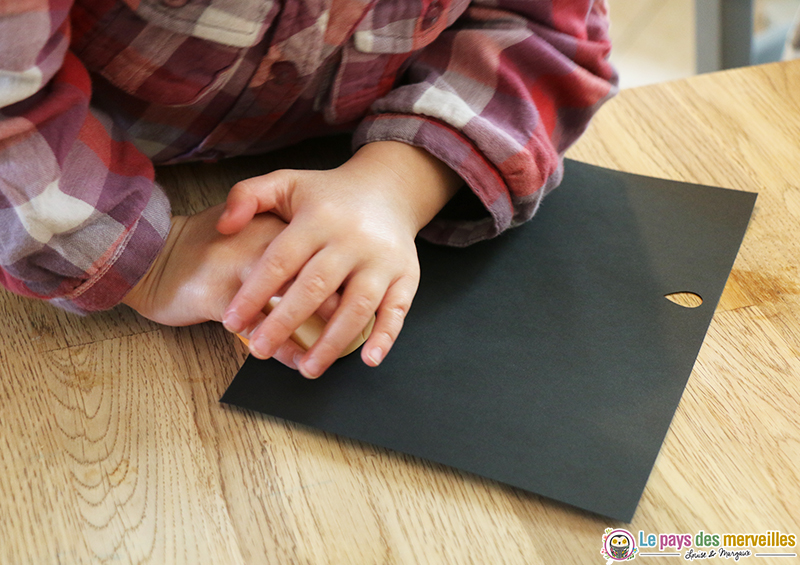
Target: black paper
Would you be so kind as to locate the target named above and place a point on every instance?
(547, 358)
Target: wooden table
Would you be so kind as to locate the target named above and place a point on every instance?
(114, 448)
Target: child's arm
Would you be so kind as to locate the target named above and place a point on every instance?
(496, 98)
(499, 95)
(83, 218)
(352, 227)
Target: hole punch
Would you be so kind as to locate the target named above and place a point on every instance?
(685, 299)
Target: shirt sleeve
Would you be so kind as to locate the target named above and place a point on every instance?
(499, 96)
(81, 218)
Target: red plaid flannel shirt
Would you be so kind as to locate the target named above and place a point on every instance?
(93, 92)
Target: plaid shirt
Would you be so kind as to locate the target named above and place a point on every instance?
(93, 92)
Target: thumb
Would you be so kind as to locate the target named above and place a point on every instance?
(254, 196)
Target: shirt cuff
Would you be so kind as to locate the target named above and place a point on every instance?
(461, 155)
(125, 263)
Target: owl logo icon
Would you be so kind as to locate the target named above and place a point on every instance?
(618, 545)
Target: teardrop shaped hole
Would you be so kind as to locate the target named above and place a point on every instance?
(685, 299)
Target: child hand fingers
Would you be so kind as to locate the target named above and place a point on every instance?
(250, 197)
(288, 353)
(327, 308)
(317, 281)
(251, 327)
(239, 209)
(389, 320)
(361, 297)
(281, 261)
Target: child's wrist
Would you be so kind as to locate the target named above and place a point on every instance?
(140, 296)
(428, 182)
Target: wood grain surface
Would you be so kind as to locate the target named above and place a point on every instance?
(114, 448)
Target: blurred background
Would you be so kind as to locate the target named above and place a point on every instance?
(655, 41)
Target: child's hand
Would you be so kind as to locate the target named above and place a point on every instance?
(199, 271)
(350, 227)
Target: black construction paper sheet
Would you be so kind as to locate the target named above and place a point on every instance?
(548, 358)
